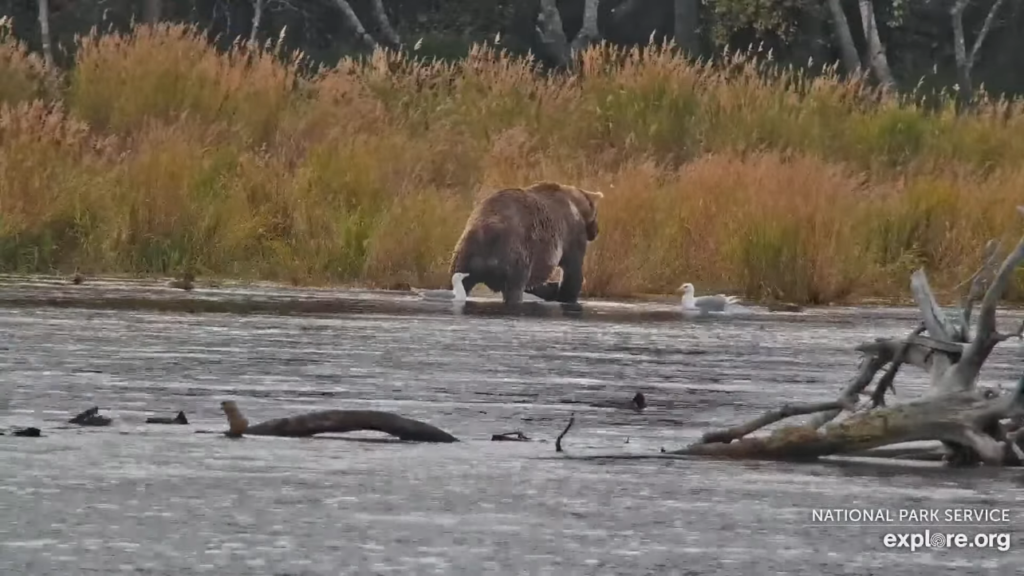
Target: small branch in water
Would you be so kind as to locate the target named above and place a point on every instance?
(869, 367)
(978, 283)
(179, 419)
(888, 380)
(558, 441)
(516, 436)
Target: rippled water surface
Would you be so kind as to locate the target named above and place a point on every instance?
(148, 499)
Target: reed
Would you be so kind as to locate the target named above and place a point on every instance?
(159, 152)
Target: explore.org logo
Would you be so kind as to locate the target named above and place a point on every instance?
(937, 540)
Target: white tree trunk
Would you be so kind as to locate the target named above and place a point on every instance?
(841, 28)
(876, 51)
(257, 15)
(552, 36)
(44, 31)
(386, 31)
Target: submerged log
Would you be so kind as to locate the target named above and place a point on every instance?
(91, 417)
(334, 421)
(179, 419)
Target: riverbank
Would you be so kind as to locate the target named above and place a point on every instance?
(157, 154)
(233, 296)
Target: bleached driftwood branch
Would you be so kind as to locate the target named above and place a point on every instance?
(955, 411)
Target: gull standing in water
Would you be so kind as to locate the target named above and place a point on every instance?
(456, 294)
(715, 303)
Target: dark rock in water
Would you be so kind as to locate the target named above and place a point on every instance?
(28, 432)
(509, 437)
(636, 404)
(91, 417)
(639, 401)
(179, 419)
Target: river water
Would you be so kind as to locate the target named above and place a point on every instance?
(149, 499)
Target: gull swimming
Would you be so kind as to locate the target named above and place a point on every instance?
(457, 293)
(713, 303)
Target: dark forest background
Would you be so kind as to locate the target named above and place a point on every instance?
(907, 44)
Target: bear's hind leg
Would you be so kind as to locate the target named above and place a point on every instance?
(572, 282)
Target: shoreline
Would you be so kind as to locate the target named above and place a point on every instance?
(177, 299)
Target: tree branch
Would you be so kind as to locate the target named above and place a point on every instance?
(980, 38)
(931, 314)
(887, 381)
(787, 411)
(870, 365)
(965, 372)
(978, 282)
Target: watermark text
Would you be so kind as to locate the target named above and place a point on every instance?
(938, 540)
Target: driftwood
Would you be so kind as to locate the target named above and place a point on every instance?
(336, 421)
(91, 417)
(179, 419)
(516, 436)
(973, 423)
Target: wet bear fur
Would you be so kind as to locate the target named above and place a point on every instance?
(515, 237)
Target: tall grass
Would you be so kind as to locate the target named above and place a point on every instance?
(160, 153)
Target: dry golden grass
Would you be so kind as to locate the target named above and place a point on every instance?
(160, 153)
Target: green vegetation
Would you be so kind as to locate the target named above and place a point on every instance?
(157, 152)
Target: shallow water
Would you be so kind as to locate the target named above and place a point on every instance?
(164, 500)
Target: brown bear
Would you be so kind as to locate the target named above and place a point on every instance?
(515, 237)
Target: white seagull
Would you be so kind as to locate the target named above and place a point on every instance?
(457, 293)
(714, 303)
